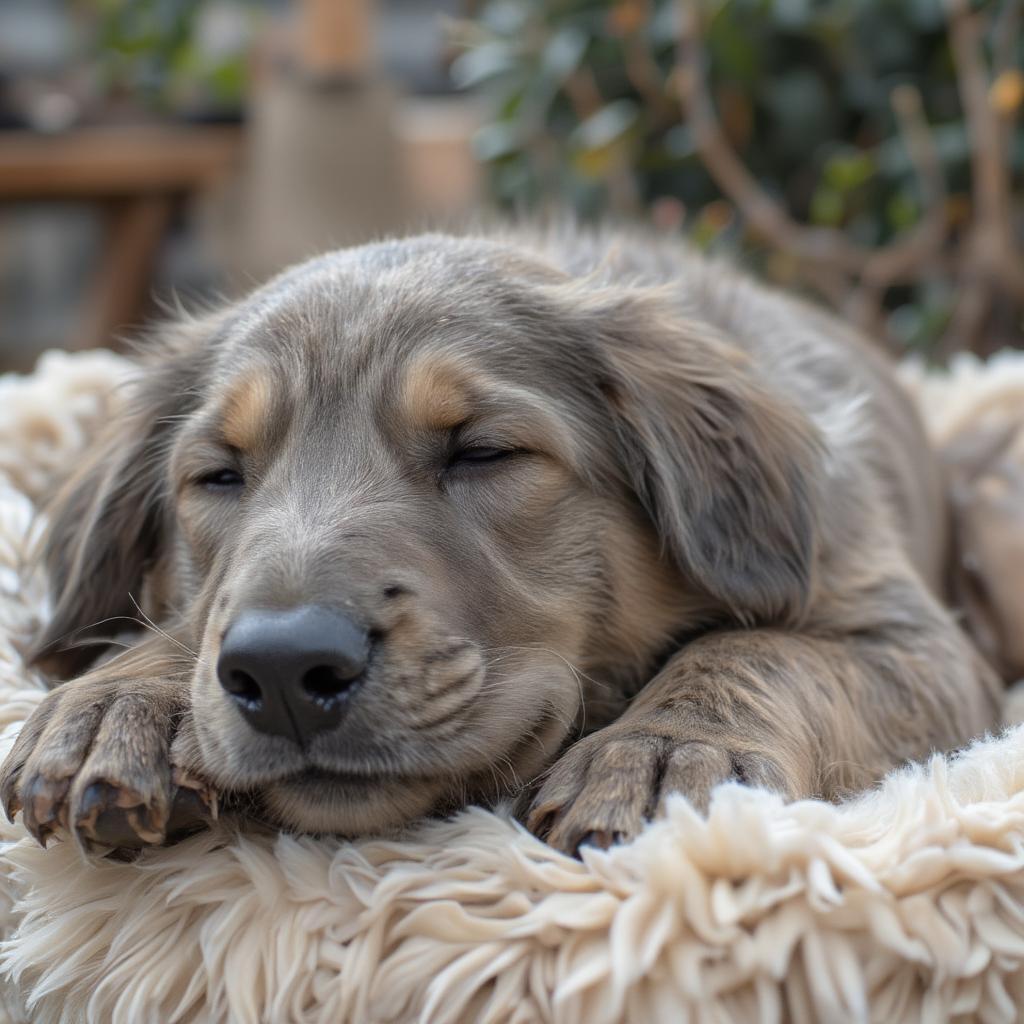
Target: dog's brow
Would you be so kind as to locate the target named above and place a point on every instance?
(441, 393)
(246, 409)
(438, 392)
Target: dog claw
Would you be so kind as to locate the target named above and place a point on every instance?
(194, 805)
(139, 822)
(116, 816)
(193, 791)
(43, 805)
(601, 839)
(93, 802)
(9, 799)
(42, 835)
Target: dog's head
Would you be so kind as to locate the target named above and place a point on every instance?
(414, 505)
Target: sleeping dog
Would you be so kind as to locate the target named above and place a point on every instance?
(583, 519)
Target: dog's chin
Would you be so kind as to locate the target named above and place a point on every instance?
(348, 805)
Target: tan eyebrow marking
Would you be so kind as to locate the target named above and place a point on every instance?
(437, 392)
(246, 410)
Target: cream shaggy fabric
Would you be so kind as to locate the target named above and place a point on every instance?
(904, 905)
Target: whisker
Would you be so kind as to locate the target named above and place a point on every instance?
(578, 677)
(97, 642)
(565, 661)
(92, 625)
(162, 632)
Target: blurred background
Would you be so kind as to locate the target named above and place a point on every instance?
(157, 153)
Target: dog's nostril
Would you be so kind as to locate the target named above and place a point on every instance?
(395, 590)
(242, 686)
(324, 683)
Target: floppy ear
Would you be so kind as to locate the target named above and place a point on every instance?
(728, 472)
(108, 520)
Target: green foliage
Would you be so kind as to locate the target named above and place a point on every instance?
(583, 112)
(157, 54)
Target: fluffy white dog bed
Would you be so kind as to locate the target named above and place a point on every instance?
(904, 905)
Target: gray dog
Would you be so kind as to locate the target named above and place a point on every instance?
(415, 517)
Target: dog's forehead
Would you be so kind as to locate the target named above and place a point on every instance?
(382, 327)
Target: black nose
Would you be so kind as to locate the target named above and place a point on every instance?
(291, 673)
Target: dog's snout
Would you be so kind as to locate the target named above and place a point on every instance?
(292, 672)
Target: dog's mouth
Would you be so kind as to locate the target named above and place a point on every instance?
(328, 778)
(348, 802)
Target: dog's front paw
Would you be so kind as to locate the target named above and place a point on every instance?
(603, 789)
(94, 760)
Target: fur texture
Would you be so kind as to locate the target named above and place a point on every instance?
(603, 520)
(900, 906)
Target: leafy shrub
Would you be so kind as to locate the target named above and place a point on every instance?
(178, 57)
(847, 113)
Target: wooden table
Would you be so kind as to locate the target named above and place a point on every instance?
(136, 174)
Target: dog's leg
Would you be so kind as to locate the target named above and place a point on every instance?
(94, 759)
(810, 713)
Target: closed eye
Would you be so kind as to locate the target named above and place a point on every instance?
(478, 455)
(221, 479)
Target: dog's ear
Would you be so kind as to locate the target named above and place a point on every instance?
(727, 471)
(107, 521)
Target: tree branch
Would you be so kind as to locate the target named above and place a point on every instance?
(990, 258)
(990, 176)
(812, 246)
